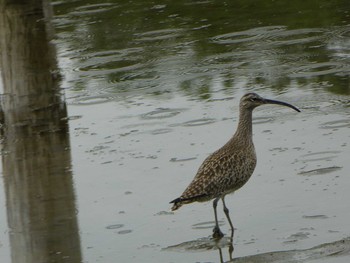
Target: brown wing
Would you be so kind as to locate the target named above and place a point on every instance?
(222, 172)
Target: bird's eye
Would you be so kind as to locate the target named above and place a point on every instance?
(252, 99)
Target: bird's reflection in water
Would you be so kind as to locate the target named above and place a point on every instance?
(230, 248)
(207, 243)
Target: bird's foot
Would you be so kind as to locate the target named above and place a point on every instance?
(217, 234)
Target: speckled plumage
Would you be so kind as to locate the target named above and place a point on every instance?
(223, 172)
(229, 168)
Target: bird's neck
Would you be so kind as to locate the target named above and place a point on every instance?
(244, 132)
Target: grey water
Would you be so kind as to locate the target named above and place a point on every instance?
(138, 95)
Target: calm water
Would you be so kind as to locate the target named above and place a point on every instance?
(152, 88)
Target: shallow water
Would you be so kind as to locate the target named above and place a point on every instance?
(153, 89)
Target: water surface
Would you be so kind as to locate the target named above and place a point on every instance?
(153, 88)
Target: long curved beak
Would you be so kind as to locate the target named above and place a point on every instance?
(267, 101)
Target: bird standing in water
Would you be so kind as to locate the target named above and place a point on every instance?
(229, 168)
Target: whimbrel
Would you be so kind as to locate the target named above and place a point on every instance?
(229, 168)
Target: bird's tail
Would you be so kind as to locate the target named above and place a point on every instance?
(177, 204)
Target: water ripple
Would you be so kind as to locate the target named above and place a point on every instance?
(174, 159)
(123, 232)
(161, 113)
(116, 226)
(247, 35)
(260, 120)
(315, 216)
(92, 9)
(297, 36)
(160, 131)
(344, 123)
(320, 156)
(318, 69)
(110, 61)
(297, 236)
(91, 100)
(199, 122)
(324, 170)
(207, 225)
(156, 35)
(271, 35)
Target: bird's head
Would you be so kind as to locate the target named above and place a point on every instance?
(253, 100)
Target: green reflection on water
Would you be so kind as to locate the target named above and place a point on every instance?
(128, 48)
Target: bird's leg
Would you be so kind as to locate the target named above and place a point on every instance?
(216, 231)
(226, 211)
(220, 254)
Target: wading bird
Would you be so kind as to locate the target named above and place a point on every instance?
(229, 168)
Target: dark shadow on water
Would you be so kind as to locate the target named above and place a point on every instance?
(328, 250)
(205, 244)
(36, 159)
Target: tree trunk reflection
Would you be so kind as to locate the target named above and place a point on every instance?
(36, 152)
